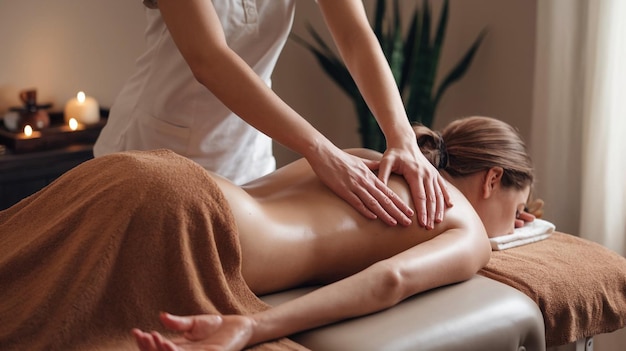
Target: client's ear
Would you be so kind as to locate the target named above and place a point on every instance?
(492, 180)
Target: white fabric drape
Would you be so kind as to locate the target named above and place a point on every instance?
(604, 139)
(579, 120)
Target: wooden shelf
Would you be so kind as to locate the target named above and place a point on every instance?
(53, 137)
(24, 174)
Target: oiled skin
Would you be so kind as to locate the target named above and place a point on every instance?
(294, 231)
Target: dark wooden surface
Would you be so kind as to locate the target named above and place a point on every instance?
(24, 174)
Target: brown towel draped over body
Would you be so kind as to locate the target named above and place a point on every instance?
(112, 243)
(580, 286)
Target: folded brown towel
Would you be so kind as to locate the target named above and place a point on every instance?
(580, 286)
(112, 243)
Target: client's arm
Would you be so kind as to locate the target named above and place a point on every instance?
(452, 256)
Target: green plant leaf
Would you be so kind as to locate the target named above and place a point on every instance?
(439, 37)
(339, 73)
(419, 94)
(441, 31)
(409, 46)
(303, 42)
(371, 135)
(460, 69)
(426, 108)
(396, 52)
(333, 66)
(318, 39)
(413, 62)
(381, 6)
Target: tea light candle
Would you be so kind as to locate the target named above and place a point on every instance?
(84, 109)
(28, 131)
(73, 123)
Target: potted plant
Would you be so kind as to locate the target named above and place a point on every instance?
(413, 58)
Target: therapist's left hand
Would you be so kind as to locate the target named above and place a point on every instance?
(428, 188)
(352, 179)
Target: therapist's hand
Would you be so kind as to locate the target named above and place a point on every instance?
(428, 188)
(352, 179)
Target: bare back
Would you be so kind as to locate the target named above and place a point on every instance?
(295, 231)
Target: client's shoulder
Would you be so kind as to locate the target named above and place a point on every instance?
(462, 214)
(365, 153)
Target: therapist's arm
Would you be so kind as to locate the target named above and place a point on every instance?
(368, 66)
(197, 32)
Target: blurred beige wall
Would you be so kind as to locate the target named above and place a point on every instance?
(64, 46)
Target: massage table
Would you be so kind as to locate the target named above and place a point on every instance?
(470, 315)
(553, 294)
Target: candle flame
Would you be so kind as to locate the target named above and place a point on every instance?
(73, 124)
(80, 97)
(28, 130)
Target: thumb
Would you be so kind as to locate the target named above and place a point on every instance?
(194, 327)
(384, 171)
(371, 164)
(177, 323)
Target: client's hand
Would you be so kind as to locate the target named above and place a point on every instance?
(533, 210)
(523, 218)
(206, 332)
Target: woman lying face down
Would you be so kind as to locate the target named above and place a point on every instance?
(293, 231)
(487, 160)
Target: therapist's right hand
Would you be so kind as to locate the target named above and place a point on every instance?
(352, 179)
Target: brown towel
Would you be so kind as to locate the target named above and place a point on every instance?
(580, 286)
(110, 244)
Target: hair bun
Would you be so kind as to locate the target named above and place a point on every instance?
(443, 155)
(151, 4)
(432, 145)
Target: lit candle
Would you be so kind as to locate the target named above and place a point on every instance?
(28, 131)
(73, 124)
(84, 109)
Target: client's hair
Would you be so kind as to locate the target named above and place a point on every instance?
(473, 144)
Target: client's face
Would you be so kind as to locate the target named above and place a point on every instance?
(502, 209)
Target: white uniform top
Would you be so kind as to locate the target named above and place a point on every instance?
(162, 105)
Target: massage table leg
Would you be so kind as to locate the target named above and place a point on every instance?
(585, 344)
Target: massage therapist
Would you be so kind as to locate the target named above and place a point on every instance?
(202, 89)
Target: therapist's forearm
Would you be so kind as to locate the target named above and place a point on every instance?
(197, 32)
(380, 91)
(238, 87)
(368, 66)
